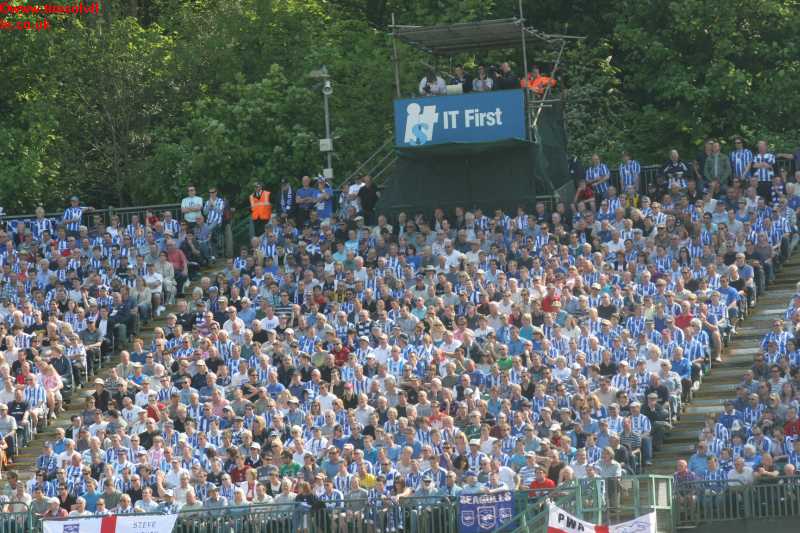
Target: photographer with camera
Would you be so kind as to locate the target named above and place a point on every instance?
(432, 85)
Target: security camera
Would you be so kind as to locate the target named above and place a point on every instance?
(327, 89)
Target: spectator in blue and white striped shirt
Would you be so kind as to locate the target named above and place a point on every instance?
(629, 171)
(214, 209)
(741, 159)
(598, 175)
(764, 168)
(72, 216)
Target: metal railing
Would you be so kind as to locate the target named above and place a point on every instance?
(599, 501)
(415, 514)
(700, 502)
(18, 519)
(376, 165)
(650, 175)
(94, 217)
(534, 518)
(101, 218)
(648, 179)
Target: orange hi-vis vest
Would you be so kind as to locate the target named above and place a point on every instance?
(260, 207)
(539, 83)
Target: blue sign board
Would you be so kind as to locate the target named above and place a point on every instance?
(466, 118)
(484, 512)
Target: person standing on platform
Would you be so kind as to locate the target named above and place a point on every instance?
(462, 78)
(538, 82)
(432, 85)
(368, 195)
(483, 82)
(191, 206)
(306, 200)
(598, 176)
(260, 209)
(506, 79)
(763, 166)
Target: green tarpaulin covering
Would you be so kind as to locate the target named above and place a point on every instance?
(502, 174)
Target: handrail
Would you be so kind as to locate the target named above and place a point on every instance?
(362, 167)
(599, 501)
(110, 209)
(705, 501)
(105, 214)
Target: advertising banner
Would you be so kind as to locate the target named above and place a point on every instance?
(468, 118)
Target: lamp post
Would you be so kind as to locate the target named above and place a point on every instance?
(327, 91)
(326, 144)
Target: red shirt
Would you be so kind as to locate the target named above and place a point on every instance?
(239, 475)
(341, 356)
(547, 303)
(542, 487)
(684, 321)
(178, 260)
(790, 429)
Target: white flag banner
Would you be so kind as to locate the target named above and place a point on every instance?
(561, 521)
(126, 523)
(642, 524)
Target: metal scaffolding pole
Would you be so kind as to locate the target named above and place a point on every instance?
(547, 89)
(395, 59)
(522, 34)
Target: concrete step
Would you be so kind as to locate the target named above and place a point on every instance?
(724, 374)
(717, 389)
(704, 402)
(682, 434)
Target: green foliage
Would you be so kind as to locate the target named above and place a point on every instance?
(154, 94)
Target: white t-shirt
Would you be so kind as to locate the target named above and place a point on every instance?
(745, 477)
(192, 201)
(155, 281)
(326, 401)
(508, 477)
(270, 323)
(654, 367)
(381, 354)
(352, 193)
(180, 494)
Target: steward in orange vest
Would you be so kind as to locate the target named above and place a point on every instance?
(260, 207)
(537, 82)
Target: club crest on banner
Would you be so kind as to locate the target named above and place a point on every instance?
(486, 517)
(468, 518)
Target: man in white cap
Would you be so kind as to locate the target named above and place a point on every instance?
(475, 455)
(168, 505)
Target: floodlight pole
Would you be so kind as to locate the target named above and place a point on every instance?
(395, 59)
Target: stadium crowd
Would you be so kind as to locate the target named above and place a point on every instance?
(342, 357)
